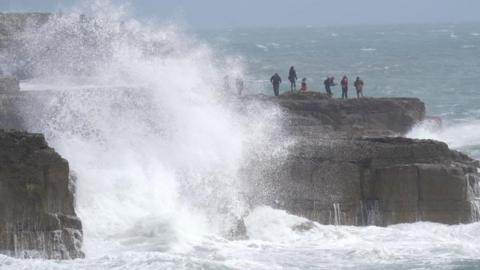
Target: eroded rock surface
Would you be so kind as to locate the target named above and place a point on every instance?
(379, 182)
(339, 171)
(37, 216)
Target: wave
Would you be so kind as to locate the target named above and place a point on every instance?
(263, 47)
(461, 136)
(157, 145)
(277, 243)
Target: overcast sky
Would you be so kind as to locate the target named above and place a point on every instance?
(248, 13)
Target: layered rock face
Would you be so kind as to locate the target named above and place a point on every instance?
(37, 217)
(380, 181)
(339, 171)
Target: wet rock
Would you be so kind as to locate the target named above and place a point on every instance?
(380, 181)
(37, 215)
(340, 171)
(353, 117)
(304, 227)
(314, 115)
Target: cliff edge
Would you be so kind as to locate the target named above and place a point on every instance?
(348, 165)
(37, 216)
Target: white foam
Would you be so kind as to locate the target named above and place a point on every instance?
(263, 47)
(265, 223)
(462, 135)
(158, 165)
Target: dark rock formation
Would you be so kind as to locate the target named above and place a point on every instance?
(314, 114)
(378, 182)
(37, 217)
(337, 173)
(355, 117)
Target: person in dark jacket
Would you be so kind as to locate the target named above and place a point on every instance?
(359, 87)
(276, 81)
(329, 82)
(292, 77)
(344, 84)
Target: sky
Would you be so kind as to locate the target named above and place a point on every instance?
(281, 13)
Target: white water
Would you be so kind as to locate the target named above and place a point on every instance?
(157, 168)
(462, 136)
(274, 245)
(157, 144)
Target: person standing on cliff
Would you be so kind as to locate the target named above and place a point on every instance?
(329, 82)
(276, 81)
(359, 87)
(292, 77)
(303, 88)
(344, 84)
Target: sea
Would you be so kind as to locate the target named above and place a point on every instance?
(151, 179)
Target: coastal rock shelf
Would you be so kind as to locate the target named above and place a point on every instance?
(378, 181)
(37, 216)
(314, 114)
(342, 169)
(352, 117)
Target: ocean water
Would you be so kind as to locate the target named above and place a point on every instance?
(158, 168)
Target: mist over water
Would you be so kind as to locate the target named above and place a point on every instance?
(157, 146)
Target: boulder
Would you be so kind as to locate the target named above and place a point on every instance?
(37, 215)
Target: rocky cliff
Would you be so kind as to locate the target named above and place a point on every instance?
(339, 171)
(316, 115)
(378, 181)
(352, 117)
(37, 217)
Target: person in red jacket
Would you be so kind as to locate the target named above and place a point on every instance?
(304, 85)
(344, 84)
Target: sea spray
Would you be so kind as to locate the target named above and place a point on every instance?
(143, 118)
(461, 136)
